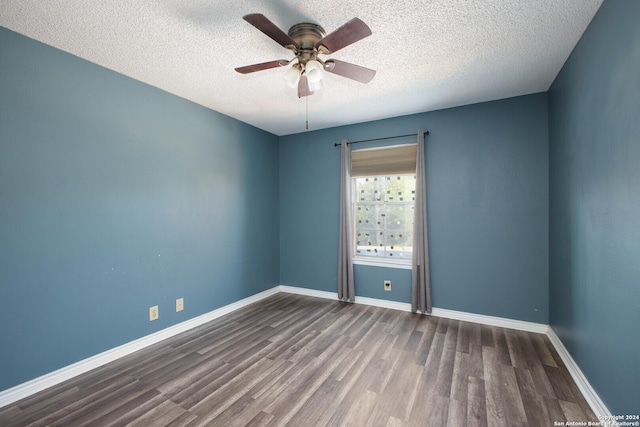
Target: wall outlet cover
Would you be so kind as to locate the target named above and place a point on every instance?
(153, 313)
(179, 304)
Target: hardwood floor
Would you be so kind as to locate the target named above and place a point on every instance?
(302, 361)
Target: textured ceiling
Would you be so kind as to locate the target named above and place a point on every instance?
(428, 54)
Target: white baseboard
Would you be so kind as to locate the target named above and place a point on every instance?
(590, 395)
(308, 292)
(502, 322)
(439, 312)
(28, 388)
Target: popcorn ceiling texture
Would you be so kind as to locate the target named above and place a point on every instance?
(428, 54)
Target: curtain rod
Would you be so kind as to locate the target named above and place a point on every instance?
(426, 132)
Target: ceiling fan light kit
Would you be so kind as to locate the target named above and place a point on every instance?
(307, 41)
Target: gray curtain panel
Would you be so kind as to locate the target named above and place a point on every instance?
(346, 286)
(420, 281)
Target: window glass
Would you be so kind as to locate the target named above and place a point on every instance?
(384, 216)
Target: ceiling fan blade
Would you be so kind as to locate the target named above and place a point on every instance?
(349, 33)
(262, 66)
(261, 22)
(303, 87)
(350, 71)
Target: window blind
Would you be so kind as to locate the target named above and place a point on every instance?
(398, 159)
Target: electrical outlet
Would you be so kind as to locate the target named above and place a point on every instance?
(387, 285)
(153, 313)
(179, 304)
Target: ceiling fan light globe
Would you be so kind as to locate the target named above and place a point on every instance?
(315, 86)
(292, 77)
(313, 70)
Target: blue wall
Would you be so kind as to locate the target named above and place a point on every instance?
(594, 107)
(116, 196)
(487, 173)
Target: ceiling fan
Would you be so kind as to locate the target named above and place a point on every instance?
(307, 41)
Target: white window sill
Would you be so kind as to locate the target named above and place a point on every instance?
(404, 264)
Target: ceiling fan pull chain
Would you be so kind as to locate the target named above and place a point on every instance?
(306, 98)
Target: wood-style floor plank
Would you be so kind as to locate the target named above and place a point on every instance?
(476, 403)
(496, 407)
(293, 360)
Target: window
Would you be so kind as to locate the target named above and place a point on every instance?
(383, 191)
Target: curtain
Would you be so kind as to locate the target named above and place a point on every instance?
(420, 280)
(346, 287)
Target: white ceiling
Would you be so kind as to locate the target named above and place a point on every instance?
(429, 54)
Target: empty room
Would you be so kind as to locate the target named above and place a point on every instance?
(321, 213)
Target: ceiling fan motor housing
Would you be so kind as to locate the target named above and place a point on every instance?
(306, 35)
